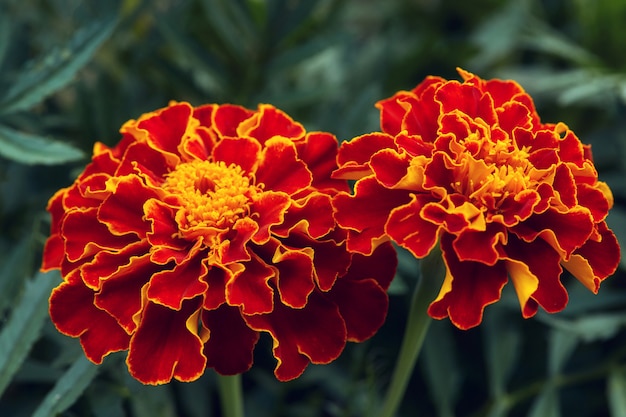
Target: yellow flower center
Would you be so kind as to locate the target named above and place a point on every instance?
(213, 195)
(497, 169)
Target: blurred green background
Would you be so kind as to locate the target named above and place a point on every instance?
(71, 72)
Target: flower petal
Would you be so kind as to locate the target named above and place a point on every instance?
(315, 333)
(170, 340)
(73, 313)
(231, 342)
(280, 169)
(474, 286)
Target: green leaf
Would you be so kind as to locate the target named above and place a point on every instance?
(5, 35)
(234, 26)
(55, 70)
(441, 368)
(617, 392)
(591, 327)
(68, 388)
(14, 271)
(546, 404)
(502, 349)
(561, 346)
(27, 148)
(24, 325)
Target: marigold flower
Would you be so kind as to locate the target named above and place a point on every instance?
(470, 167)
(202, 228)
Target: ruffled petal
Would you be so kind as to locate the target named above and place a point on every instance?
(169, 338)
(315, 334)
(73, 313)
(230, 342)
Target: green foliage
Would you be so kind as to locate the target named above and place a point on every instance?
(71, 72)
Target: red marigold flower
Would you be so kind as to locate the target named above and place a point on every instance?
(470, 167)
(202, 228)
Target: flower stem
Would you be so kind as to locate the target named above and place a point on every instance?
(231, 395)
(432, 274)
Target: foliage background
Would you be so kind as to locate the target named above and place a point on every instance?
(71, 72)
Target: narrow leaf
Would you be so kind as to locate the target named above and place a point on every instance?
(617, 392)
(24, 325)
(441, 368)
(14, 271)
(33, 149)
(546, 404)
(502, 350)
(68, 388)
(55, 70)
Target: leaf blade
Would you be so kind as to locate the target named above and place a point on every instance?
(24, 325)
(56, 69)
(32, 149)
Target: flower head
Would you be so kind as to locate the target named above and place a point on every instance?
(202, 228)
(470, 167)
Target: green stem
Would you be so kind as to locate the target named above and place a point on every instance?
(231, 395)
(426, 290)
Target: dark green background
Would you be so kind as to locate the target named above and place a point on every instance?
(71, 72)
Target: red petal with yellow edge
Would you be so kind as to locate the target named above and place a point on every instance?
(355, 155)
(330, 261)
(271, 122)
(572, 150)
(474, 286)
(514, 115)
(518, 208)
(243, 152)
(280, 169)
(368, 223)
(481, 246)
(227, 118)
(231, 342)
(295, 276)
(564, 231)
(250, 288)
(409, 229)
(216, 278)
(148, 162)
(235, 248)
(565, 185)
(164, 229)
(53, 253)
(542, 262)
(318, 151)
(315, 333)
(166, 345)
(168, 126)
(594, 200)
(122, 211)
(170, 287)
(268, 210)
(73, 313)
(392, 113)
(84, 235)
(391, 167)
(361, 294)
(466, 99)
(121, 294)
(314, 213)
(380, 265)
(106, 263)
(595, 260)
(421, 117)
(362, 305)
(205, 112)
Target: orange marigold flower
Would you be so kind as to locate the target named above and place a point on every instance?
(470, 167)
(202, 228)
